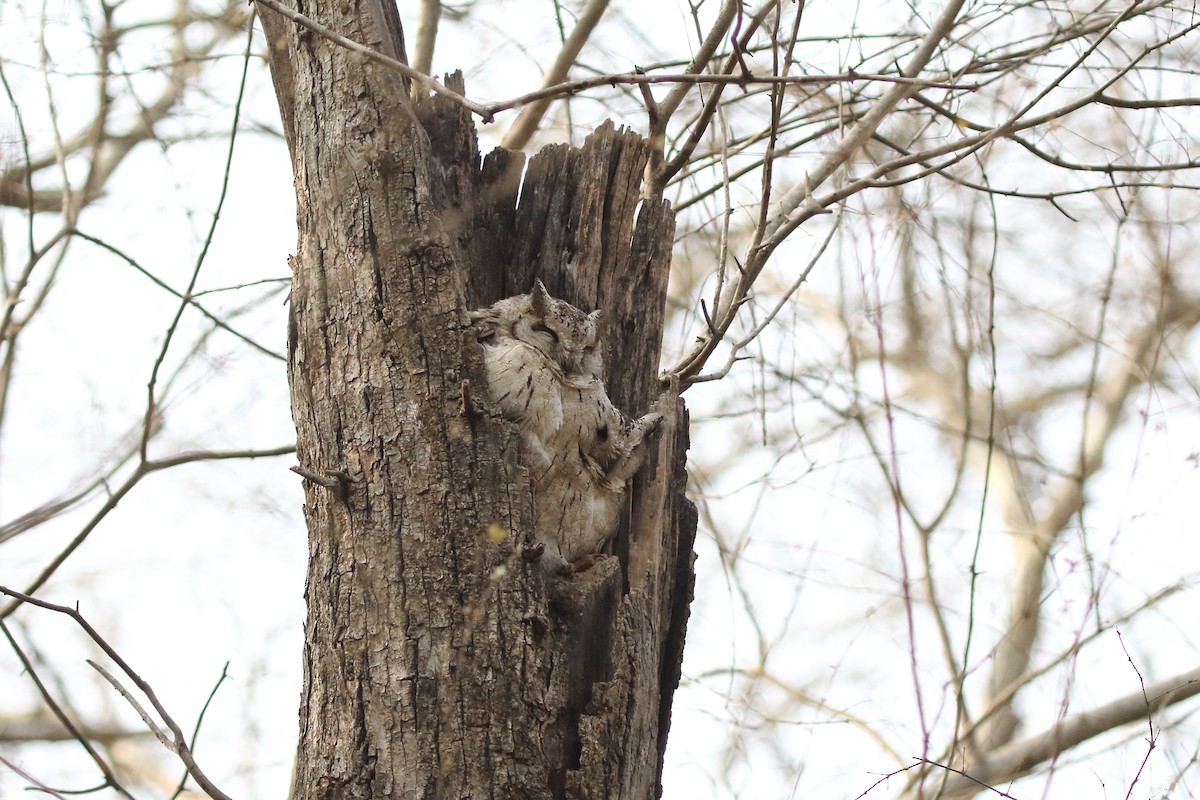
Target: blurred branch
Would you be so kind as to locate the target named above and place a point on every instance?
(41, 728)
(110, 778)
(41, 786)
(427, 28)
(527, 121)
(1023, 757)
(1139, 365)
(176, 743)
(109, 149)
(143, 469)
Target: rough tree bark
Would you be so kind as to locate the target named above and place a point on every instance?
(438, 663)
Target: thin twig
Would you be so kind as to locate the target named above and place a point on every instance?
(798, 204)
(189, 299)
(404, 69)
(146, 468)
(110, 777)
(151, 402)
(487, 112)
(158, 732)
(176, 742)
(41, 786)
(527, 121)
(200, 721)
(739, 44)
(635, 79)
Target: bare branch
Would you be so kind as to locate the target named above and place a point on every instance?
(667, 171)
(1140, 364)
(43, 787)
(158, 732)
(420, 78)
(1023, 757)
(144, 469)
(187, 299)
(487, 112)
(865, 127)
(427, 29)
(44, 728)
(110, 778)
(527, 121)
(176, 742)
(785, 218)
(716, 34)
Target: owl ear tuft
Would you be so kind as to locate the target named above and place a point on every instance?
(595, 316)
(540, 298)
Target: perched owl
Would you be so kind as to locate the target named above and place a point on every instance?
(557, 329)
(579, 492)
(543, 369)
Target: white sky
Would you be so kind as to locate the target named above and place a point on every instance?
(205, 564)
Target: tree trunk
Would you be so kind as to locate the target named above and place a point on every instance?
(438, 662)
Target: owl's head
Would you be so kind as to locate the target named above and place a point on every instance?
(561, 332)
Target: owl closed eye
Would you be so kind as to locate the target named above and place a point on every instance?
(561, 332)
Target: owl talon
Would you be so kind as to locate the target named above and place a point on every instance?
(584, 563)
(555, 564)
(533, 552)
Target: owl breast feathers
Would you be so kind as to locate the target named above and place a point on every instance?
(545, 371)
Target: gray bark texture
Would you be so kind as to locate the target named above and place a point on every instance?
(440, 663)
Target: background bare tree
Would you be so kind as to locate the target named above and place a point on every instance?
(938, 256)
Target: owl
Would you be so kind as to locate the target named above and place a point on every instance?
(578, 492)
(544, 371)
(560, 331)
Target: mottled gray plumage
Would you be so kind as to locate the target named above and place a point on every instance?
(557, 329)
(579, 448)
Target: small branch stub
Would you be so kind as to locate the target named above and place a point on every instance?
(337, 481)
